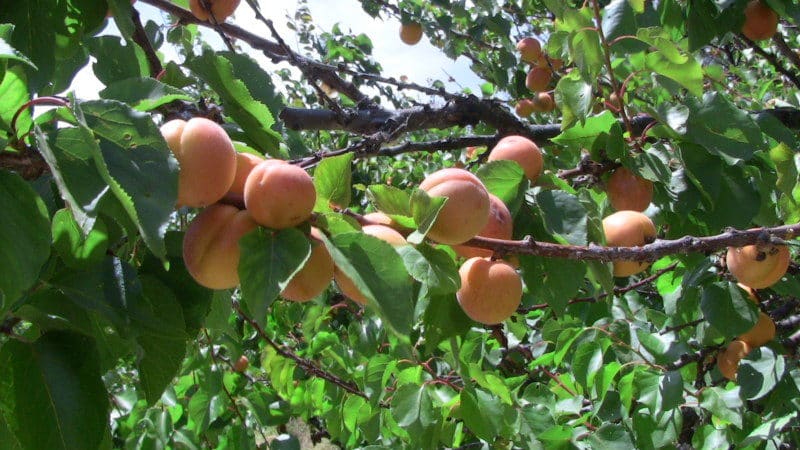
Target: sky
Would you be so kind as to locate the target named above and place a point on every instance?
(421, 63)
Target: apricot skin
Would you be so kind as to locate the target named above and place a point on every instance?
(467, 209)
(344, 282)
(543, 102)
(522, 150)
(315, 276)
(530, 50)
(756, 266)
(524, 107)
(499, 226)
(628, 229)
(490, 291)
(538, 79)
(207, 160)
(761, 21)
(222, 9)
(728, 359)
(761, 333)
(279, 195)
(211, 245)
(245, 163)
(627, 191)
(410, 33)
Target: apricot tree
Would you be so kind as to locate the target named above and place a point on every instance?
(594, 248)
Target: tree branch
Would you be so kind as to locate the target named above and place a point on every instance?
(140, 38)
(791, 75)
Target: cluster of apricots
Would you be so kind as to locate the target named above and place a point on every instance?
(538, 79)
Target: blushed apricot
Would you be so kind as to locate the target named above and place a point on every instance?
(522, 150)
(315, 275)
(728, 359)
(524, 107)
(538, 79)
(758, 266)
(279, 195)
(628, 229)
(761, 333)
(221, 9)
(627, 191)
(467, 208)
(490, 290)
(211, 245)
(760, 22)
(499, 226)
(410, 33)
(245, 163)
(543, 102)
(344, 282)
(530, 50)
(207, 160)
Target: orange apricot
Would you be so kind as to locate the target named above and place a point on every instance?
(490, 291)
(467, 208)
(530, 49)
(728, 359)
(279, 195)
(760, 21)
(410, 33)
(315, 275)
(543, 102)
(221, 9)
(522, 150)
(499, 226)
(628, 229)
(524, 107)
(627, 191)
(758, 266)
(245, 163)
(538, 79)
(761, 333)
(211, 245)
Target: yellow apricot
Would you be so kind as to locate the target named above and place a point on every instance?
(490, 291)
(279, 195)
(758, 266)
(221, 9)
(499, 226)
(761, 333)
(315, 275)
(245, 163)
(627, 191)
(728, 359)
(467, 208)
(522, 150)
(410, 33)
(628, 229)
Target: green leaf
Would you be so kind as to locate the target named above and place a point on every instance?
(587, 54)
(379, 273)
(425, 210)
(482, 413)
(10, 53)
(586, 362)
(75, 248)
(116, 62)
(727, 310)
(564, 216)
(611, 436)
(725, 405)
(768, 430)
(444, 319)
(268, 261)
(432, 267)
(14, 94)
(759, 372)
(411, 404)
(584, 135)
(135, 161)
(161, 337)
(574, 97)
(506, 180)
(253, 116)
(24, 237)
(552, 280)
(52, 392)
(389, 199)
(143, 94)
(332, 180)
(668, 60)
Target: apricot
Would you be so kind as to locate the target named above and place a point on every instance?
(279, 195)
(760, 21)
(211, 245)
(548, 62)
(315, 275)
(207, 160)
(467, 208)
(344, 282)
(628, 229)
(543, 102)
(490, 291)
(499, 226)
(728, 359)
(538, 79)
(521, 150)
(241, 364)
(245, 163)
(761, 333)
(751, 293)
(410, 33)
(530, 50)
(524, 107)
(221, 9)
(758, 266)
(627, 191)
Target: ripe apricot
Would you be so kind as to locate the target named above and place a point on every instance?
(627, 191)
(758, 266)
(548, 62)
(490, 290)
(245, 163)
(538, 79)
(524, 107)
(760, 21)
(751, 293)
(315, 275)
(761, 333)
(344, 282)
(530, 49)
(628, 229)
(467, 208)
(211, 245)
(410, 33)
(207, 160)
(543, 102)
(728, 359)
(522, 150)
(279, 195)
(221, 9)
(499, 226)
(241, 364)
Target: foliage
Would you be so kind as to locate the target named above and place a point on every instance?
(107, 342)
